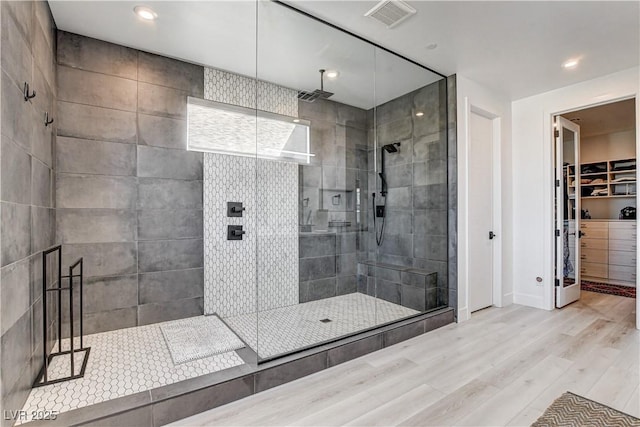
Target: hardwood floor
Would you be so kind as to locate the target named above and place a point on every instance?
(503, 367)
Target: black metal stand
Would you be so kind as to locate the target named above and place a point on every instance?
(43, 377)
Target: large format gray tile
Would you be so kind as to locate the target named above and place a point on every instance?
(430, 172)
(430, 196)
(103, 124)
(140, 417)
(41, 184)
(42, 138)
(316, 245)
(95, 225)
(354, 350)
(314, 290)
(285, 373)
(15, 295)
(162, 131)
(103, 259)
(95, 55)
(93, 191)
(171, 310)
(16, 232)
(199, 401)
(16, 173)
(317, 268)
(111, 320)
(431, 221)
(162, 255)
(346, 284)
(97, 89)
(162, 101)
(403, 333)
(15, 351)
(156, 193)
(156, 162)
(158, 224)
(109, 293)
(15, 56)
(166, 286)
(83, 156)
(44, 73)
(172, 73)
(42, 228)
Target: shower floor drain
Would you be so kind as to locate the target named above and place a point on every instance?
(325, 320)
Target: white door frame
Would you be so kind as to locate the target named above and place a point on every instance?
(549, 244)
(463, 195)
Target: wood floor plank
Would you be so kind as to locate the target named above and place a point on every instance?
(505, 366)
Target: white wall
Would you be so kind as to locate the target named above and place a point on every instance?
(471, 95)
(532, 176)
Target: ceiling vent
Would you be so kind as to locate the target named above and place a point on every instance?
(391, 12)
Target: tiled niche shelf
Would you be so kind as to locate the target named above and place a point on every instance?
(170, 403)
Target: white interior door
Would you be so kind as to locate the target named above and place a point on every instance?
(480, 212)
(568, 192)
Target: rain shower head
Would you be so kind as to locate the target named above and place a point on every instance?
(391, 148)
(318, 93)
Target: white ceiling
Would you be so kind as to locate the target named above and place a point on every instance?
(516, 47)
(289, 51)
(605, 119)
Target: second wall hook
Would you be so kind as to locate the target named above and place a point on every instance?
(47, 120)
(25, 92)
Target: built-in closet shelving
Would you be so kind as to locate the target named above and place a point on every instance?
(606, 179)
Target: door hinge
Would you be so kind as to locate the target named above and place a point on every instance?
(557, 183)
(556, 133)
(557, 233)
(557, 282)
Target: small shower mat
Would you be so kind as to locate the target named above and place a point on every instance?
(198, 337)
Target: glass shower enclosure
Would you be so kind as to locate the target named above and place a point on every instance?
(325, 185)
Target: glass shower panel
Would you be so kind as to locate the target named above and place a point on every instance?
(408, 177)
(312, 201)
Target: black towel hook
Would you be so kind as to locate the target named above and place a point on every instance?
(26, 94)
(47, 121)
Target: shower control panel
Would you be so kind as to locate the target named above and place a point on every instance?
(380, 211)
(234, 209)
(235, 232)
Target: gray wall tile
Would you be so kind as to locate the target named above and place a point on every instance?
(17, 116)
(161, 312)
(83, 156)
(403, 333)
(108, 293)
(93, 191)
(41, 184)
(102, 321)
(168, 72)
(157, 224)
(103, 124)
(162, 101)
(155, 193)
(95, 225)
(42, 139)
(16, 173)
(160, 255)
(346, 285)
(353, 350)
(317, 268)
(42, 228)
(318, 289)
(166, 163)
(95, 55)
(15, 295)
(97, 89)
(162, 131)
(15, 55)
(315, 245)
(103, 259)
(15, 351)
(166, 286)
(16, 232)
(277, 375)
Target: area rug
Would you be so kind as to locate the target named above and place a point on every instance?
(198, 337)
(606, 288)
(571, 410)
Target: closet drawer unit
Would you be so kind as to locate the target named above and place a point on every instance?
(628, 225)
(595, 233)
(622, 234)
(594, 243)
(622, 258)
(622, 245)
(600, 256)
(594, 270)
(625, 274)
(591, 225)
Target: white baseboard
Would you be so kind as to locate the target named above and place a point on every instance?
(507, 299)
(534, 301)
(463, 314)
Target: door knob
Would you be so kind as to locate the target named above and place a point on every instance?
(492, 235)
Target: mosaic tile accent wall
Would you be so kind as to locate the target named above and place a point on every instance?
(235, 89)
(268, 253)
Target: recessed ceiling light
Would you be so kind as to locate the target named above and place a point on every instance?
(145, 13)
(332, 74)
(571, 63)
(431, 46)
(296, 120)
(419, 114)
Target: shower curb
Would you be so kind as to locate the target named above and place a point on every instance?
(163, 405)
